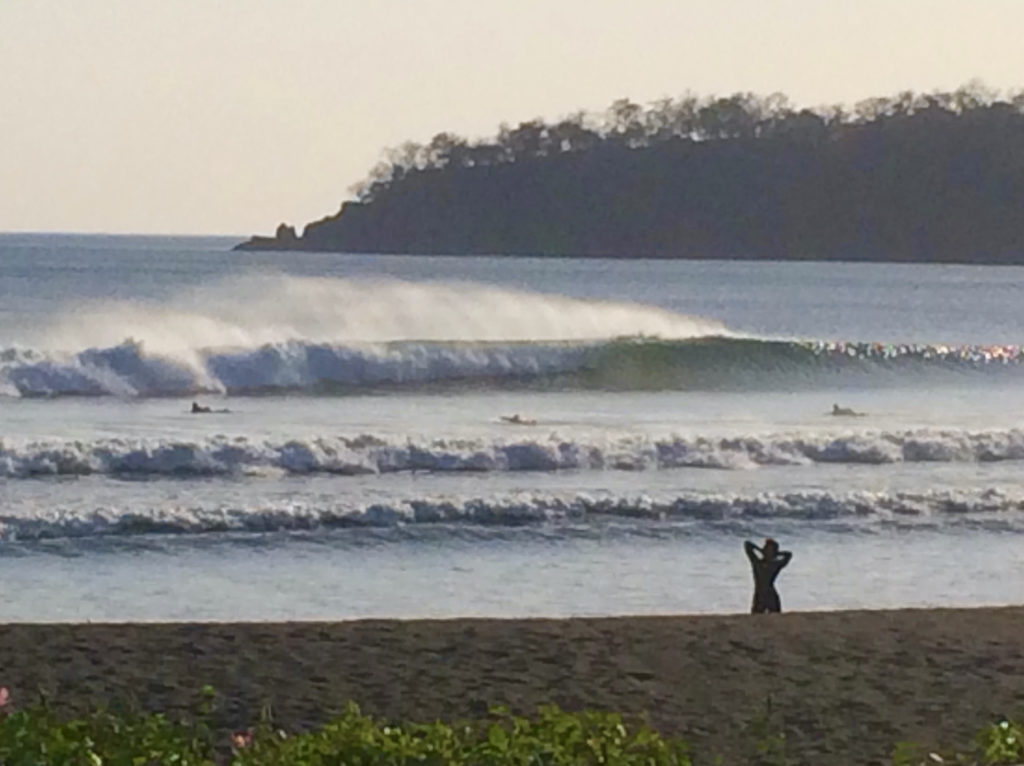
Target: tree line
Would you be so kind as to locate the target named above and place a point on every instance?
(741, 116)
(912, 176)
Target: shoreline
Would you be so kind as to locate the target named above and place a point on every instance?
(843, 685)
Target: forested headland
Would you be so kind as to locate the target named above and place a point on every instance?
(910, 177)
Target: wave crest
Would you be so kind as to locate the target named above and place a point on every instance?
(367, 454)
(515, 510)
(705, 363)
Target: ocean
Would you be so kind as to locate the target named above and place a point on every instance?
(411, 436)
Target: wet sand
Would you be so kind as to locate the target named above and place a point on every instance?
(841, 686)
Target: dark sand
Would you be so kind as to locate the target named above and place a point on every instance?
(844, 686)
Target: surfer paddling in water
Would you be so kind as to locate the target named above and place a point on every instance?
(200, 409)
(845, 412)
(766, 563)
(518, 420)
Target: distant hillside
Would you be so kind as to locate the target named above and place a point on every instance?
(936, 177)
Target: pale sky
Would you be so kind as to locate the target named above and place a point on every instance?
(230, 116)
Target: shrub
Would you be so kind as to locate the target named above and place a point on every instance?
(551, 738)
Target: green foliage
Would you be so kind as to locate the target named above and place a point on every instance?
(36, 735)
(908, 754)
(998, 744)
(1001, 743)
(769, 739)
(551, 738)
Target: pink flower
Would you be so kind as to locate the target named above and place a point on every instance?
(241, 739)
(5, 696)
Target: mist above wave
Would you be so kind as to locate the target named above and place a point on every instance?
(301, 333)
(253, 311)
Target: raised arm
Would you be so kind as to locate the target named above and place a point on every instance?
(752, 551)
(782, 559)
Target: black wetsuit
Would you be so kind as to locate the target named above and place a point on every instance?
(766, 598)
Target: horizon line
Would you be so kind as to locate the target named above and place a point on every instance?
(66, 233)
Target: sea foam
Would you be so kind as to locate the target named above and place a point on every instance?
(866, 509)
(370, 454)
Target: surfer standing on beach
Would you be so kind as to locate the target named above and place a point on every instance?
(766, 563)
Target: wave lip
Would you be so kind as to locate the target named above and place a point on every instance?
(703, 363)
(368, 454)
(517, 510)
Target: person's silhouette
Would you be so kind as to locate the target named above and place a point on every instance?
(766, 564)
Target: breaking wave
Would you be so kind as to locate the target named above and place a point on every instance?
(705, 363)
(319, 335)
(517, 509)
(367, 454)
(129, 369)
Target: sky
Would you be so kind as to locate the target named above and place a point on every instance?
(231, 116)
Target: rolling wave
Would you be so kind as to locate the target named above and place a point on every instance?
(517, 509)
(131, 369)
(320, 335)
(368, 454)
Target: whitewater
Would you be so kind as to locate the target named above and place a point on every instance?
(413, 436)
(366, 454)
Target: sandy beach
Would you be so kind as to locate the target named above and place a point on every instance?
(841, 685)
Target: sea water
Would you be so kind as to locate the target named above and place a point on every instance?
(362, 458)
